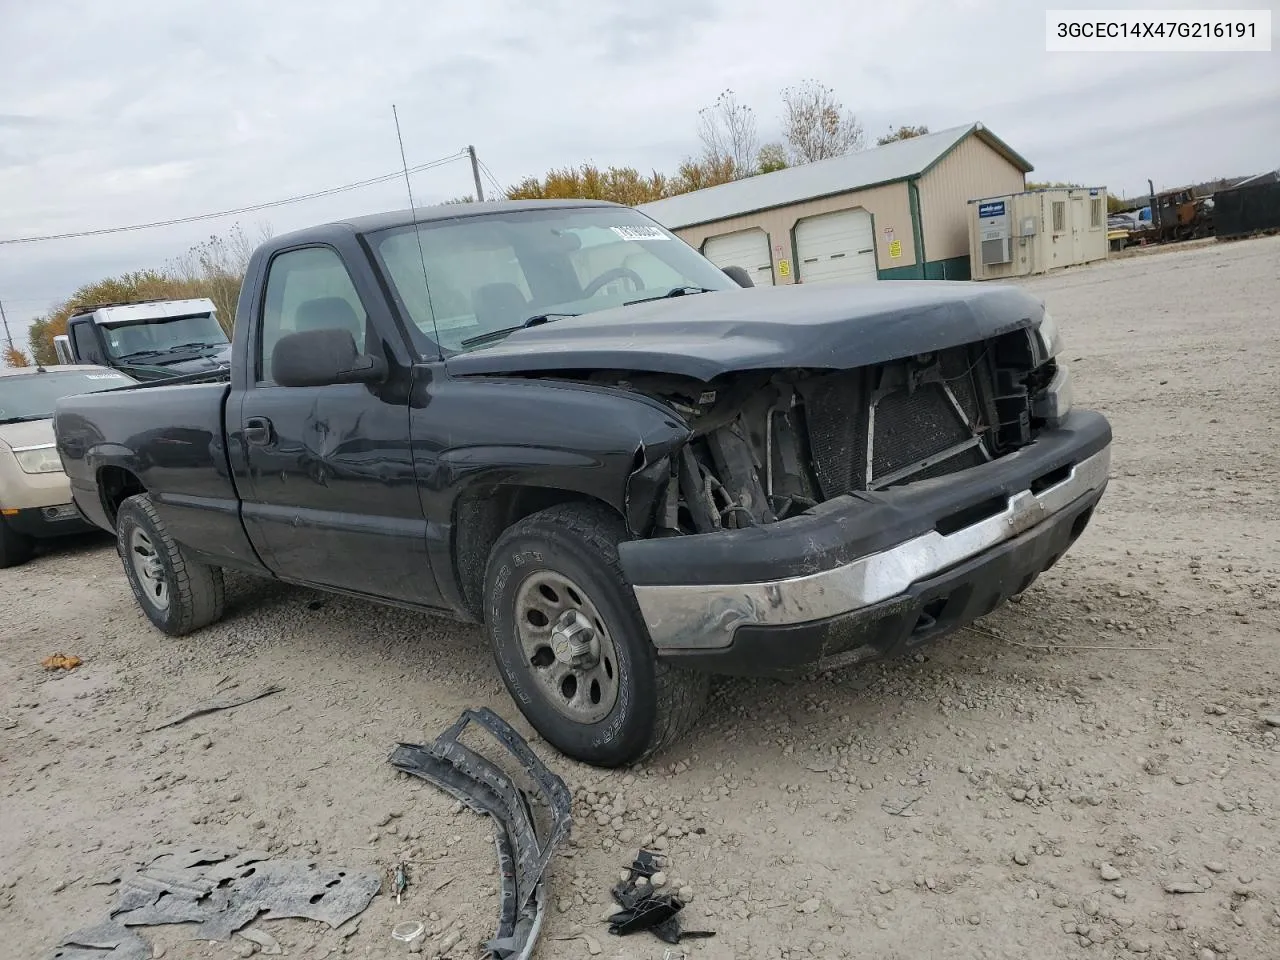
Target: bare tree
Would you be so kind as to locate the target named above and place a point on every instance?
(815, 124)
(728, 133)
(217, 266)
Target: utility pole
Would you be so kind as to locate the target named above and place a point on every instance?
(475, 172)
(7, 335)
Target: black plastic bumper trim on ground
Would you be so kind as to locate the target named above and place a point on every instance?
(929, 609)
(482, 785)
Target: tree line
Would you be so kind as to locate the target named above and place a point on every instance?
(814, 124)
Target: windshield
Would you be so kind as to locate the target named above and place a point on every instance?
(491, 273)
(31, 396)
(141, 338)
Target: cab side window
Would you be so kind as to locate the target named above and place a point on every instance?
(85, 343)
(308, 289)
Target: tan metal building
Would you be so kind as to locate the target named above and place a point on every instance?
(895, 212)
(1036, 231)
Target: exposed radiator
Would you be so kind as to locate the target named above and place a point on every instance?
(930, 431)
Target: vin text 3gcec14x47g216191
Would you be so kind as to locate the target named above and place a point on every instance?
(559, 420)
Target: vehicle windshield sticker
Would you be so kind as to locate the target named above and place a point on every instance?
(104, 376)
(631, 232)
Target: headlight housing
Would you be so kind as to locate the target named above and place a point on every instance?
(39, 459)
(1048, 338)
(1053, 402)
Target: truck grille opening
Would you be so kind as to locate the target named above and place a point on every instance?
(873, 428)
(770, 445)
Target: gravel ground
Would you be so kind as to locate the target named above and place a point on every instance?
(1038, 787)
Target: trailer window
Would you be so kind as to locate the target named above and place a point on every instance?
(1095, 213)
(1059, 216)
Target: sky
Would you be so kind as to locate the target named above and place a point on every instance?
(141, 110)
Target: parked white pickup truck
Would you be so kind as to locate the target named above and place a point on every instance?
(147, 339)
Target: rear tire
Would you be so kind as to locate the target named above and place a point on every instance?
(15, 548)
(176, 593)
(609, 700)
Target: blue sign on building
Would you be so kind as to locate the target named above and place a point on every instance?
(993, 208)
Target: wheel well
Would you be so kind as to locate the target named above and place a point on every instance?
(481, 516)
(115, 486)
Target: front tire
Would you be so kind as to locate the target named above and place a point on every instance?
(15, 548)
(178, 594)
(572, 646)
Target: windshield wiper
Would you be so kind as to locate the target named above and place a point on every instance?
(673, 292)
(534, 321)
(198, 345)
(28, 418)
(139, 354)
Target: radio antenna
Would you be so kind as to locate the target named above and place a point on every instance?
(417, 233)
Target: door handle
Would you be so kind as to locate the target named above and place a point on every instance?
(257, 431)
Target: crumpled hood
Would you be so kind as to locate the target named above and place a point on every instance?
(819, 326)
(32, 433)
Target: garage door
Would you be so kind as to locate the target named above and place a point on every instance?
(748, 249)
(836, 246)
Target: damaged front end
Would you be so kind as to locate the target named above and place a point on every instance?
(769, 445)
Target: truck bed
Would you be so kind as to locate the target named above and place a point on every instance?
(172, 438)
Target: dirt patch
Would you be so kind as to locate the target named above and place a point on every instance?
(1112, 795)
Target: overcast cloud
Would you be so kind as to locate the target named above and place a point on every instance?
(139, 110)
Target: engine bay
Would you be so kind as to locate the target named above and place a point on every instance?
(768, 445)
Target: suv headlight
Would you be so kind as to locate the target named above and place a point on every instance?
(41, 459)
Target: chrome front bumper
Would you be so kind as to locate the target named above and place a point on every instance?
(699, 617)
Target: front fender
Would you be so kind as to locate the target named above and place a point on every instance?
(630, 477)
(591, 440)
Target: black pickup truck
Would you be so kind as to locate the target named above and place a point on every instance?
(559, 420)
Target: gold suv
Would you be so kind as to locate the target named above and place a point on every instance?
(35, 496)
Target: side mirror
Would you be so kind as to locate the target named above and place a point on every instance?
(317, 358)
(739, 276)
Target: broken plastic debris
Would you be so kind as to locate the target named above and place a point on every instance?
(107, 940)
(485, 788)
(399, 880)
(408, 931)
(221, 892)
(270, 946)
(61, 661)
(643, 908)
(219, 703)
